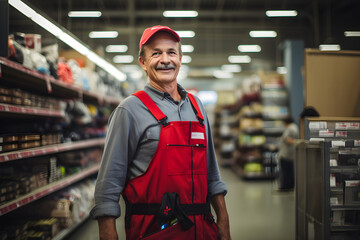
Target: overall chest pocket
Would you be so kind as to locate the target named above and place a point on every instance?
(186, 159)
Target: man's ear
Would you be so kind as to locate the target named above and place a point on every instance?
(142, 63)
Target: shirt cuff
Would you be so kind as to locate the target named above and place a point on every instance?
(218, 187)
(105, 209)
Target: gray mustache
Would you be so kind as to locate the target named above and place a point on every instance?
(165, 67)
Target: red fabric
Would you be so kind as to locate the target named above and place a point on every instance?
(146, 100)
(193, 102)
(178, 165)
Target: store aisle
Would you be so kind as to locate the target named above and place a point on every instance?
(257, 212)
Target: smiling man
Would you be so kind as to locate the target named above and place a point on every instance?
(159, 155)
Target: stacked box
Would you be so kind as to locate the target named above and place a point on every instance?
(40, 172)
(50, 138)
(34, 235)
(48, 227)
(20, 97)
(9, 190)
(8, 143)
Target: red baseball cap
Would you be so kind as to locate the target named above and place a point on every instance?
(149, 32)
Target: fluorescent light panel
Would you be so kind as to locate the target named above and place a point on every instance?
(231, 68)
(329, 47)
(84, 14)
(186, 59)
(239, 59)
(123, 59)
(186, 34)
(264, 34)
(180, 13)
(187, 48)
(116, 48)
(103, 34)
(249, 48)
(222, 74)
(352, 33)
(67, 39)
(281, 13)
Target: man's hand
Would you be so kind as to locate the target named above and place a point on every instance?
(218, 203)
(107, 228)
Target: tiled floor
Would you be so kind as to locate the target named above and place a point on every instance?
(257, 212)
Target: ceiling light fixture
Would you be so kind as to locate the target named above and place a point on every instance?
(281, 13)
(180, 14)
(329, 47)
(123, 59)
(249, 48)
(231, 68)
(84, 14)
(103, 34)
(352, 33)
(67, 38)
(187, 48)
(262, 34)
(186, 59)
(116, 48)
(239, 59)
(222, 74)
(186, 34)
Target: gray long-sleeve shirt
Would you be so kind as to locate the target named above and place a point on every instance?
(131, 142)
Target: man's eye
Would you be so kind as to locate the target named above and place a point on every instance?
(172, 52)
(155, 53)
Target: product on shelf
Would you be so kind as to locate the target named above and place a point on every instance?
(20, 97)
(32, 110)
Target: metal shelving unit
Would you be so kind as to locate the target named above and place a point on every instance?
(46, 190)
(321, 210)
(14, 75)
(51, 149)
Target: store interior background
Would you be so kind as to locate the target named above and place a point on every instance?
(220, 27)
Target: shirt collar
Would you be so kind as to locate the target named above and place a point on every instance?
(162, 95)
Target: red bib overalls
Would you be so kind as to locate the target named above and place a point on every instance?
(179, 167)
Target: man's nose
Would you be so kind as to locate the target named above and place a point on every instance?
(165, 58)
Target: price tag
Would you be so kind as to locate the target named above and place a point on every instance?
(317, 125)
(341, 134)
(48, 84)
(326, 133)
(353, 125)
(338, 143)
(332, 180)
(357, 143)
(341, 125)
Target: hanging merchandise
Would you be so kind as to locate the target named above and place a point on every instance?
(30, 58)
(39, 62)
(51, 53)
(76, 71)
(64, 72)
(14, 51)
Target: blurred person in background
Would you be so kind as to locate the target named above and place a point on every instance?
(286, 155)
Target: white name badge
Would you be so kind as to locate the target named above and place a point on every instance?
(197, 135)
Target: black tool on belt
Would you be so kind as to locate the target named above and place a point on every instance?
(169, 209)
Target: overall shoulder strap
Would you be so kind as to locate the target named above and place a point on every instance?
(150, 104)
(196, 108)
